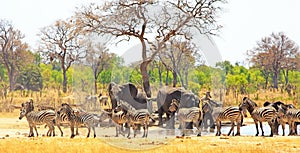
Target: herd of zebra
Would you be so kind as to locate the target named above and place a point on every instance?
(124, 115)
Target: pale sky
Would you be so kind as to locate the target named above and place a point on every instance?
(245, 21)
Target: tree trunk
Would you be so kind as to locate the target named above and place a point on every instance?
(174, 78)
(11, 80)
(145, 77)
(286, 76)
(275, 80)
(95, 86)
(167, 78)
(64, 80)
(160, 76)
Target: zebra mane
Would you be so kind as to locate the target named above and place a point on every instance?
(250, 102)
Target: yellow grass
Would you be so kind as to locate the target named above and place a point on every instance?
(200, 144)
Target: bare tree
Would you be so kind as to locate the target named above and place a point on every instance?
(179, 56)
(139, 19)
(12, 51)
(98, 57)
(274, 54)
(62, 41)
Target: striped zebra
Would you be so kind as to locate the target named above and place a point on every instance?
(119, 117)
(232, 114)
(191, 114)
(77, 118)
(135, 117)
(260, 114)
(66, 114)
(293, 116)
(37, 118)
(209, 107)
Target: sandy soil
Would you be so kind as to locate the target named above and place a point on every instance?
(11, 128)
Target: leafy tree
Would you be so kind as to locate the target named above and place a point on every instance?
(274, 54)
(13, 54)
(30, 78)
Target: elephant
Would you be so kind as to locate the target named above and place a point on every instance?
(128, 93)
(164, 97)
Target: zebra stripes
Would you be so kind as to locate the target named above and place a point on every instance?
(37, 118)
(135, 117)
(191, 114)
(293, 116)
(260, 114)
(232, 114)
(77, 118)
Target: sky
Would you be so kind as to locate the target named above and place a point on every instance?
(244, 21)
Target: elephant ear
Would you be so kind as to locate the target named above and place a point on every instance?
(133, 90)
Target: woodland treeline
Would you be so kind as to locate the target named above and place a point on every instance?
(74, 54)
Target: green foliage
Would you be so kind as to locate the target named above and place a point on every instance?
(194, 87)
(31, 78)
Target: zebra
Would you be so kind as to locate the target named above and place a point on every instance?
(260, 114)
(191, 114)
(293, 116)
(232, 114)
(208, 108)
(77, 118)
(66, 114)
(119, 117)
(37, 118)
(135, 117)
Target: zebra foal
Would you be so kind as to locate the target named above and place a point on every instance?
(37, 118)
(192, 114)
(260, 114)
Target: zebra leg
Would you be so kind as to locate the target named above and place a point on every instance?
(283, 128)
(197, 125)
(89, 131)
(293, 128)
(72, 130)
(37, 134)
(31, 134)
(61, 132)
(238, 127)
(77, 133)
(94, 131)
(261, 127)
(147, 128)
(218, 128)
(276, 127)
(256, 126)
(117, 130)
(272, 126)
(144, 127)
(128, 136)
(290, 128)
(231, 129)
(183, 126)
(135, 128)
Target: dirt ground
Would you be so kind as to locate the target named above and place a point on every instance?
(14, 131)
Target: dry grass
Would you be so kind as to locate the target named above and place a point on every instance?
(200, 144)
